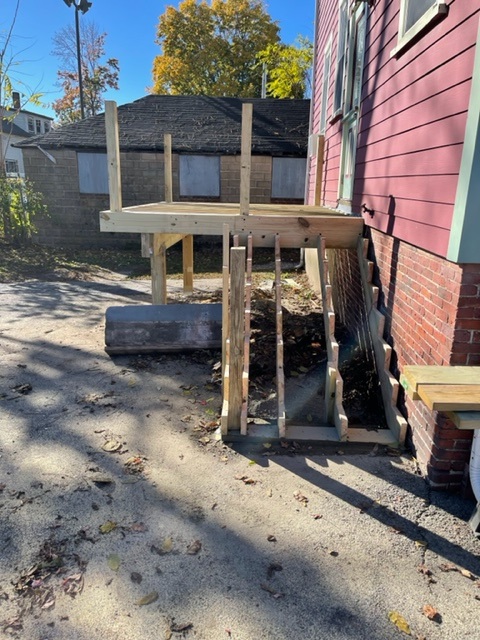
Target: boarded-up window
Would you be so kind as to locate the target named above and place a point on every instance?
(200, 176)
(288, 178)
(92, 172)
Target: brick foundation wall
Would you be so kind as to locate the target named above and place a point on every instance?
(432, 310)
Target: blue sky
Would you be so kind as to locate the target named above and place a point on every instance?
(130, 26)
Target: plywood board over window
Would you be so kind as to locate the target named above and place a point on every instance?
(92, 172)
(200, 176)
(288, 178)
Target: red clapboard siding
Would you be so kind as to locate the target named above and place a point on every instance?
(429, 189)
(429, 213)
(445, 161)
(445, 132)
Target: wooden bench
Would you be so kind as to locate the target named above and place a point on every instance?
(454, 390)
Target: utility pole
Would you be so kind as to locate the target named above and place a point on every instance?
(83, 6)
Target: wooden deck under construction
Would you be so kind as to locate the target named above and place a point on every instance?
(243, 226)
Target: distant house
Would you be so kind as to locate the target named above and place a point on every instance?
(18, 124)
(397, 99)
(69, 164)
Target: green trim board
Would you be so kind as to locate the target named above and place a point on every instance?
(465, 230)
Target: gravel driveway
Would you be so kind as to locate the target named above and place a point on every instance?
(122, 517)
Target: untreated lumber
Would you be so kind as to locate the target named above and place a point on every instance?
(225, 297)
(158, 267)
(246, 342)
(246, 158)
(294, 231)
(113, 156)
(279, 341)
(414, 375)
(236, 336)
(187, 261)
(382, 351)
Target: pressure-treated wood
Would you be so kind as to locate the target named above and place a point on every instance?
(187, 258)
(225, 295)
(113, 156)
(466, 419)
(295, 231)
(167, 158)
(236, 336)
(158, 266)
(246, 157)
(382, 351)
(450, 397)
(415, 375)
(246, 342)
(279, 341)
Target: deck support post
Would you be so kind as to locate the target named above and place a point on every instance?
(246, 158)
(113, 156)
(236, 336)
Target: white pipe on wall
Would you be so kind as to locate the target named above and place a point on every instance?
(475, 465)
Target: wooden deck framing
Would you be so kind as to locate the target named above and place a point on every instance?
(253, 225)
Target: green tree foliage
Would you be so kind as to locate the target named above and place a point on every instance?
(19, 204)
(212, 48)
(288, 68)
(98, 73)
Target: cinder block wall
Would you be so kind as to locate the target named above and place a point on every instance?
(432, 310)
(73, 216)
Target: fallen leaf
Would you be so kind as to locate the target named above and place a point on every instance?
(271, 538)
(108, 526)
(112, 446)
(309, 418)
(430, 612)
(194, 547)
(179, 628)
(420, 544)
(267, 445)
(138, 527)
(317, 516)
(300, 497)
(424, 570)
(245, 479)
(147, 599)
(113, 562)
(400, 622)
(276, 594)
(467, 574)
(205, 440)
(273, 567)
(447, 567)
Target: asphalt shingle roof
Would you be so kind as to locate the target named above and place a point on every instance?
(10, 128)
(198, 124)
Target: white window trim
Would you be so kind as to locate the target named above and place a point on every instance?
(339, 110)
(327, 67)
(440, 8)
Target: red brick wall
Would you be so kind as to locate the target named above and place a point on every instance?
(432, 310)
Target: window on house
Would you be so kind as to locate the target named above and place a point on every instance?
(38, 126)
(415, 17)
(31, 125)
(46, 126)
(11, 166)
(343, 24)
(288, 178)
(200, 176)
(325, 86)
(92, 172)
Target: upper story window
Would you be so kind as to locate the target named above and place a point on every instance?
(343, 28)
(38, 126)
(325, 86)
(31, 125)
(11, 166)
(415, 17)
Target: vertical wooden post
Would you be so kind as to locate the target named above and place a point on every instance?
(158, 265)
(225, 293)
(319, 171)
(158, 256)
(237, 332)
(167, 158)
(187, 257)
(113, 155)
(279, 340)
(246, 158)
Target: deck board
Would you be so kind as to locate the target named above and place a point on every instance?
(450, 397)
(415, 375)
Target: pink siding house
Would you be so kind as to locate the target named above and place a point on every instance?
(397, 98)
